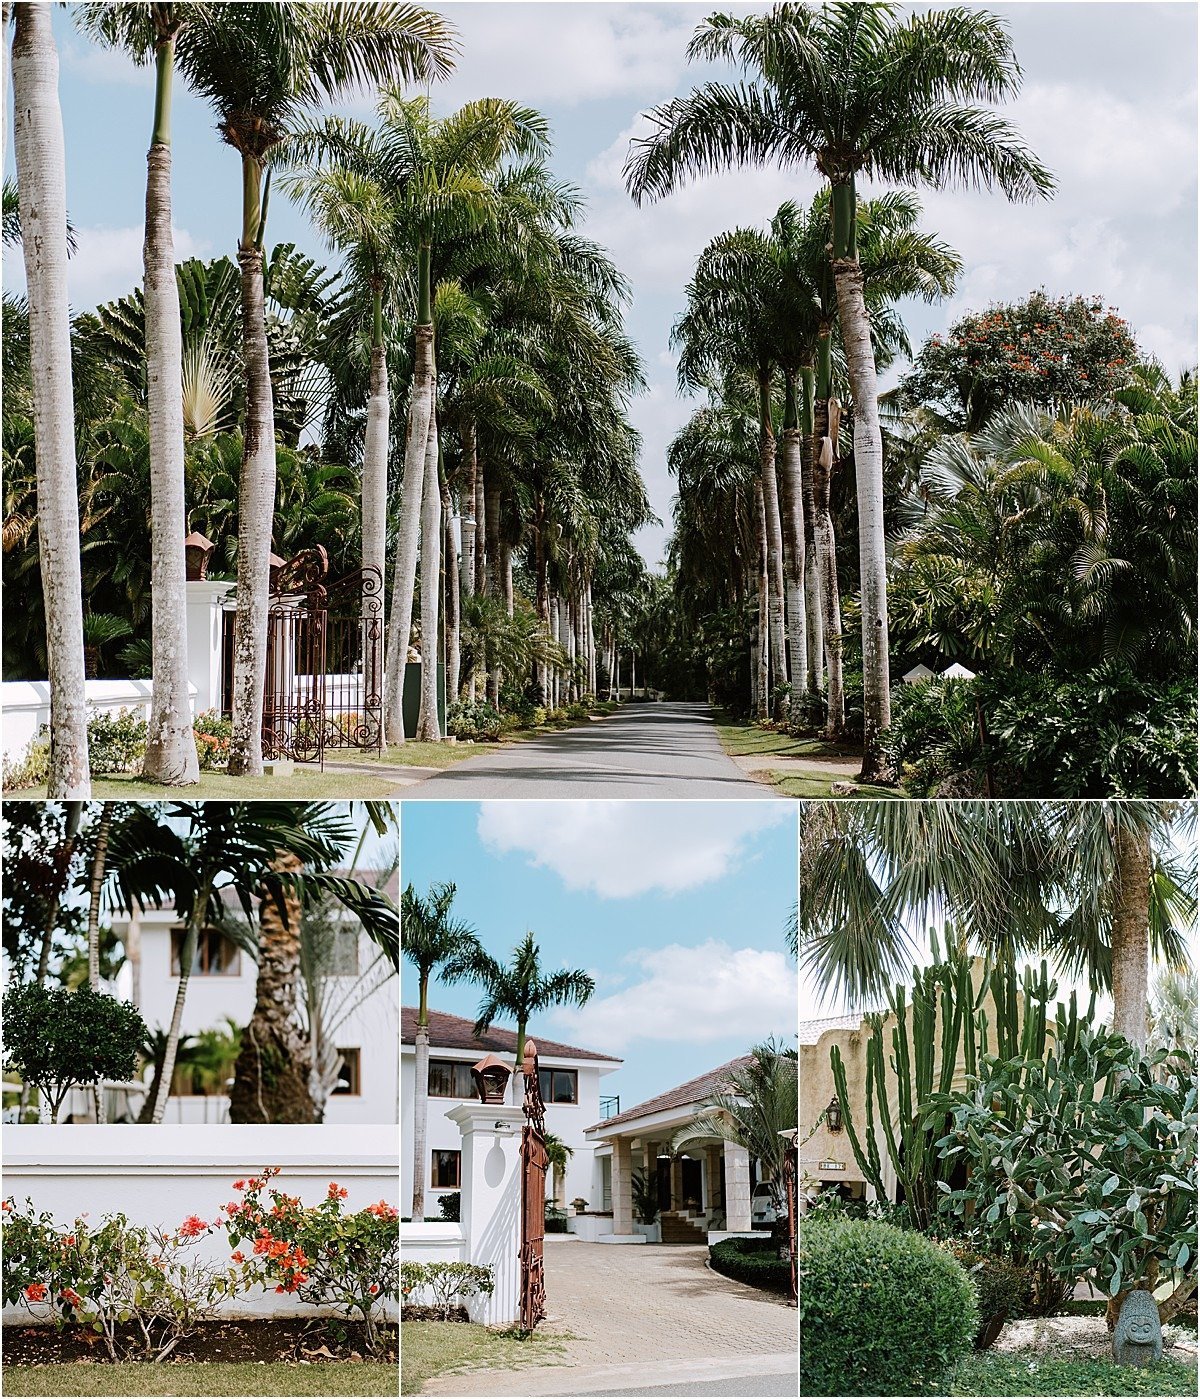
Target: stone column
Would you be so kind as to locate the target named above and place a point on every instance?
(737, 1189)
(622, 1196)
(491, 1203)
(676, 1183)
(712, 1167)
(205, 613)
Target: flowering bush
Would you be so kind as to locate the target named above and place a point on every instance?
(141, 1289)
(212, 733)
(321, 1253)
(452, 1284)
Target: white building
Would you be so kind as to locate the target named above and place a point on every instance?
(360, 1000)
(570, 1081)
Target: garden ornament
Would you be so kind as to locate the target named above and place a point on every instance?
(1137, 1337)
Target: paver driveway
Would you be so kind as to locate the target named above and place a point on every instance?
(645, 750)
(643, 1315)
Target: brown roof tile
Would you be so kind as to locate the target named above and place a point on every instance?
(695, 1090)
(453, 1032)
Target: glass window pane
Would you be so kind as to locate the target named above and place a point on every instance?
(441, 1079)
(564, 1086)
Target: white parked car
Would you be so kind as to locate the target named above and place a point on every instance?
(763, 1212)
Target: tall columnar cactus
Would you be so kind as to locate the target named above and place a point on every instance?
(945, 1027)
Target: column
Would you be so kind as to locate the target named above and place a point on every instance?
(676, 1183)
(712, 1165)
(205, 611)
(490, 1214)
(622, 1196)
(737, 1189)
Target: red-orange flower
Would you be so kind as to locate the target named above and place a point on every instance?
(192, 1227)
(336, 1192)
(36, 1291)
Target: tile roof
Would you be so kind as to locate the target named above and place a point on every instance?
(812, 1030)
(695, 1090)
(453, 1032)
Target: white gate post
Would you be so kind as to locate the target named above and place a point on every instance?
(490, 1203)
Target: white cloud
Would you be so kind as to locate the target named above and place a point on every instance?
(623, 849)
(97, 65)
(107, 264)
(746, 993)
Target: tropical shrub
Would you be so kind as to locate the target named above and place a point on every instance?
(32, 768)
(452, 1284)
(882, 1310)
(934, 736)
(480, 722)
(1004, 1288)
(116, 742)
(449, 1207)
(753, 1261)
(212, 732)
(556, 1220)
(58, 1039)
(1084, 1159)
(321, 1253)
(142, 1290)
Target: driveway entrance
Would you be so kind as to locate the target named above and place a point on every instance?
(647, 1315)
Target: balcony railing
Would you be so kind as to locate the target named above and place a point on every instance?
(609, 1107)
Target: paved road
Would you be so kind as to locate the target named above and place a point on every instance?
(650, 1320)
(646, 750)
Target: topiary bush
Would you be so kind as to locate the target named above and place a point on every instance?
(1004, 1288)
(882, 1310)
(753, 1261)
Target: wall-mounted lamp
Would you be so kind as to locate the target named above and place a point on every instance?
(491, 1077)
(833, 1115)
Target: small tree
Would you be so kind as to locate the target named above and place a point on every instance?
(58, 1039)
(1084, 1159)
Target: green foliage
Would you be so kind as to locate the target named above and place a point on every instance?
(116, 742)
(934, 736)
(452, 1284)
(1043, 350)
(449, 1207)
(644, 1190)
(556, 1220)
(1083, 1158)
(753, 1261)
(882, 1310)
(32, 767)
(212, 732)
(1004, 1288)
(479, 722)
(1044, 1375)
(58, 1039)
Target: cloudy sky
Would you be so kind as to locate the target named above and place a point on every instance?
(1109, 103)
(677, 909)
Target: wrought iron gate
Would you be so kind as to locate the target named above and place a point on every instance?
(534, 1160)
(791, 1165)
(324, 676)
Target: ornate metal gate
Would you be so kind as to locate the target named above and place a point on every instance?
(324, 678)
(533, 1195)
(791, 1165)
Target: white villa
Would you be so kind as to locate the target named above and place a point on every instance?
(359, 1000)
(570, 1087)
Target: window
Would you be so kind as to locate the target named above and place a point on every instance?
(446, 1174)
(215, 954)
(448, 1078)
(350, 1074)
(343, 953)
(559, 1085)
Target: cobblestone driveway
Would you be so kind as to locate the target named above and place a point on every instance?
(649, 1311)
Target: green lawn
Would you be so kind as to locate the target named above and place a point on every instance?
(272, 1378)
(307, 783)
(429, 1348)
(794, 778)
(988, 1374)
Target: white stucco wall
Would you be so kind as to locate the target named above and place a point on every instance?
(25, 705)
(160, 1175)
(566, 1120)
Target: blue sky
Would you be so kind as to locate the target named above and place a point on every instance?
(1109, 102)
(676, 909)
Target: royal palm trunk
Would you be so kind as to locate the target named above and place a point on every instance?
(420, 1109)
(1131, 932)
(428, 727)
(270, 1079)
(775, 585)
(95, 889)
(763, 659)
(471, 469)
(823, 460)
(791, 511)
(187, 955)
(813, 616)
(41, 181)
(404, 579)
(450, 573)
(170, 747)
(868, 469)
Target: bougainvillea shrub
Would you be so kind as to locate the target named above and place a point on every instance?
(322, 1253)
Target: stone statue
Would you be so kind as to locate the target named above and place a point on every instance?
(1137, 1336)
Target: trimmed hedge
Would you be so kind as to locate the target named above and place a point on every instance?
(752, 1261)
(882, 1310)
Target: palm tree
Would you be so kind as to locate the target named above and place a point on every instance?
(855, 91)
(262, 67)
(433, 941)
(41, 185)
(95, 889)
(234, 850)
(558, 1157)
(1099, 885)
(759, 1103)
(147, 31)
(519, 988)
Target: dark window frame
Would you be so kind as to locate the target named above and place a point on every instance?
(548, 1096)
(351, 1061)
(208, 937)
(457, 1067)
(434, 1183)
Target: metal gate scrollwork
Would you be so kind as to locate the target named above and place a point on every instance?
(534, 1161)
(790, 1170)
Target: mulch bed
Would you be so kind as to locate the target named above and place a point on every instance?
(415, 1313)
(311, 1342)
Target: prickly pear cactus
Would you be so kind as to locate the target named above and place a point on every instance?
(1137, 1337)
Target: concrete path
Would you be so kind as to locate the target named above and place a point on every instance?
(646, 750)
(646, 1319)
